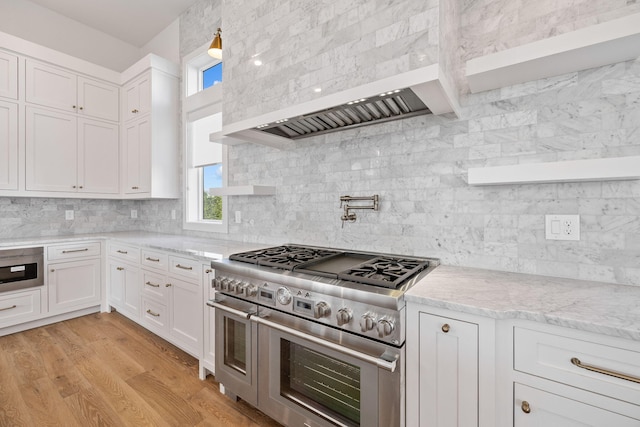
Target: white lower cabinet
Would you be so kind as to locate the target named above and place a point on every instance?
(74, 284)
(563, 377)
(20, 306)
(124, 288)
(538, 408)
(207, 362)
(74, 276)
(171, 298)
(450, 372)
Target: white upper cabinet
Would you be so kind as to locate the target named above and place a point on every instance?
(70, 154)
(8, 75)
(150, 141)
(137, 97)
(55, 87)
(8, 146)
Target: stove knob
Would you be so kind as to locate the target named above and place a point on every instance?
(367, 322)
(240, 286)
(322, 309)
(217, 283)
(233, 285)
(344, 316)
(284, 295)
(251, 290)
(224, 284)
(385, 327)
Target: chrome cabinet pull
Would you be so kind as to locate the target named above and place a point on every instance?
(152, 313)
(75, 250)
(81, 108)
(134, 188)
(446, 328)
(122, 252)
(183, 267)
(119, 268)
(153, 259)
(168, 285)
(152, 284)
(8, 308)
(53, 270)
(526, 408)
(208, 270)
(604, 371)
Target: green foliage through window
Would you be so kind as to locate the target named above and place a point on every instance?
(212, 207)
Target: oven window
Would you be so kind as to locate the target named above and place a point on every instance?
(320, 383)
(235, 345)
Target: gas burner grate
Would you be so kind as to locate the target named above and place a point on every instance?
(387, 272)
(285, 257)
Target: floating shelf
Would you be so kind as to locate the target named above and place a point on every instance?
(613, 168)
(594, 46)
(244, 190)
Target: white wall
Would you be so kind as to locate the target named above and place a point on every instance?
(37, 24)
(166, 44)
(40, 25)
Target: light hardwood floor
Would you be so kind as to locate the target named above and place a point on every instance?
(105, 370)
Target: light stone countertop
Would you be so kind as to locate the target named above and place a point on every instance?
(603, 308)
(204, 249)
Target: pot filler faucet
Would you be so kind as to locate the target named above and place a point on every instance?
(351, 216)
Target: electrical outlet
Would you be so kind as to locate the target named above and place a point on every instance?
(134, 213)
(562, 227)
(68, 215)
(173, 214)
(238, 217)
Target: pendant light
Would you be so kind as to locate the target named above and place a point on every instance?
(215, 50)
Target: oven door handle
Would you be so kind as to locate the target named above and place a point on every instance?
(228, 309)
(389, 365)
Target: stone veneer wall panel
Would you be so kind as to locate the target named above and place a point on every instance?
(330, 44)
(418, 167)
(489, 26)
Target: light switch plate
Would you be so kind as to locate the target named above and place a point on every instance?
(68, 215)
(562, 227)
(134, 213)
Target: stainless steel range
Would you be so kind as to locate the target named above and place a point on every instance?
(315, 336)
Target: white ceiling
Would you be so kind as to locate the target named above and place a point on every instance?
(133, 21)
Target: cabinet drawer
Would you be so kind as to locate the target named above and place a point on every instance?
(154, 259)
(555, 357)
(75, 250)
(19, 307)
(154, 315)
(185, 267)
(154, 285)
(537, 408)
(124, 252)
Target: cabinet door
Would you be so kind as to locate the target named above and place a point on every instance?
(137, 97)
(8, 75)
(537, 408)
(209, 320)
(8, 146)
(51, 151)
(124, 293)
(185, 319)
(448, 372)
(50, 86)
(97, 99)
(74, 284)
(98, 157)
(137, 141)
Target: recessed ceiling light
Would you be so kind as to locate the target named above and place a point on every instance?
(257, 63)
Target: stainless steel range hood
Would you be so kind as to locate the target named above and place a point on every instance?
(421, 91)
(392, 105)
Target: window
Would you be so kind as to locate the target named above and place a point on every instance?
(212, 76)
(205, 161)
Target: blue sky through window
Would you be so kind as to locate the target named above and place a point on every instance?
(212, 176)
(212, 76)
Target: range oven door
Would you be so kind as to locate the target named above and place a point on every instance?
(306, 379)
(236, 347)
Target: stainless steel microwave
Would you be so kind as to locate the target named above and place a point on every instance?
(21, 268)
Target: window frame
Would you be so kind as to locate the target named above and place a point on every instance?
(196, 104)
